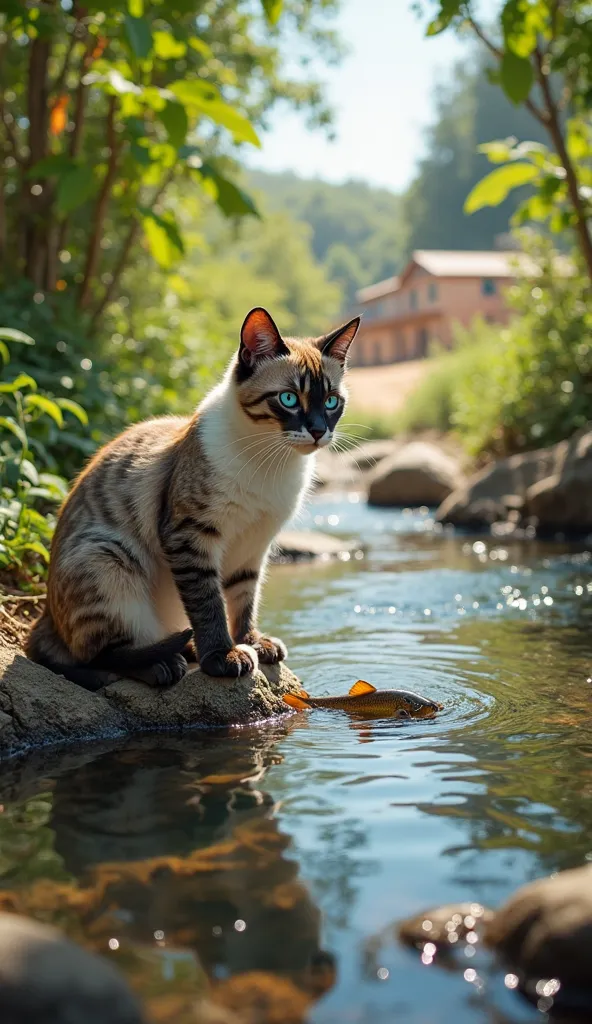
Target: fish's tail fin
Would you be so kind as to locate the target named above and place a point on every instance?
(296, 702)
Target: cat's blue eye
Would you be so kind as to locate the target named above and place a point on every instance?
(288, 399)
(331, 402)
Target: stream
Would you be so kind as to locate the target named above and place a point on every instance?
(293, 848)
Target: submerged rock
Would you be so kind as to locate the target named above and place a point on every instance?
(39, 708)
(45, 978)
(303, 545)
(417, 474)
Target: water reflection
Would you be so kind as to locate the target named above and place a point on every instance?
(172, 861)
(318, 833)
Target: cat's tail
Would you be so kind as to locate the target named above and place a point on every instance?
(46, 648)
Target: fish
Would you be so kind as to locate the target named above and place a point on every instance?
(365, 699)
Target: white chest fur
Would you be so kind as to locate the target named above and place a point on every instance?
(262, 480)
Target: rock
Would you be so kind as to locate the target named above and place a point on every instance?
(487, 496)
(302, 545)
(418, 474)
(563, 500)
(45, 979)
(545, 928)
(343, 470)
(436, 925)
(39, 708)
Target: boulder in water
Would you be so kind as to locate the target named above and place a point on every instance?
(417, 474)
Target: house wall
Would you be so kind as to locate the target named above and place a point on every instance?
(425, 309)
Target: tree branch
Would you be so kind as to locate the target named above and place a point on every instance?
(498, 54)
(94, 245)
(553, 124)
(58, 84)
(123, 257)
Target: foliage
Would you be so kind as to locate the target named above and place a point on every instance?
(105, 107)
(29, 420)
(358, 231)
(541, 50)
(527, 385)
(470, 110)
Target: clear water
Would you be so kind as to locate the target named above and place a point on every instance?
(187, 860)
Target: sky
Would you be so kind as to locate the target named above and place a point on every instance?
(383, 96)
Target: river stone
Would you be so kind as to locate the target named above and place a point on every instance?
(418, 474)
(45, 979)
(39, 708)
(307, 545)
(563, 500)
(545, 928)
(487, 496)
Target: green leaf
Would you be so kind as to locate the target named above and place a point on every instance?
(449, 9)
(162, 234)
(29, 472)
(272, 10)
(74, 188)
(138, 35)
(45, 406)
(4, 353)
(522, 22)
(38, 548)
(232, 200)
(193, 93)
(499, 151)
(496, 186)
(136, 8)
(69, 406)
(167, 47)
(201, 47)
(175, 120)
(50, 166)
(22, 381)
(10, 334)
(229, 117)
(516, 76)
(9, 424)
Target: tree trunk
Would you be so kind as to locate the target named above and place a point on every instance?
(94, 245)
(35, 206)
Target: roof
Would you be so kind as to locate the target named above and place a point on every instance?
(376, 291)
(464, 263)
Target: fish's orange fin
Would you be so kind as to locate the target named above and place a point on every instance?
(302, 693)
(295, 702)
(361, 687)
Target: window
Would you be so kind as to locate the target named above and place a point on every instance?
(432, 292)
(377, 353)
(421, 348)
(488, 286)
(413, 299)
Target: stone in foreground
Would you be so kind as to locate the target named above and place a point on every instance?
(45, 978)
(39, 708)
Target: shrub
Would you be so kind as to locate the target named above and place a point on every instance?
(30, 420)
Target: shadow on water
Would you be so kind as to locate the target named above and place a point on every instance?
(195, 860)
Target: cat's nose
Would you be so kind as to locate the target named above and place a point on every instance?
(317, 434)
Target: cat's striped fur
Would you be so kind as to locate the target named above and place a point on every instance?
(167, 529)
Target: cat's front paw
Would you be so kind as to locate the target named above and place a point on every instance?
(240, 660)
(163, 673)
(270, 649)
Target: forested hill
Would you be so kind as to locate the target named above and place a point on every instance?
(362, 234)
(358, 232)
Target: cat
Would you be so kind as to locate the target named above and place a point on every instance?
(165, 534)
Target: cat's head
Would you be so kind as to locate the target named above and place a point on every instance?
(292, 385)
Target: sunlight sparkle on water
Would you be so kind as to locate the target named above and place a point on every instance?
(511, 981)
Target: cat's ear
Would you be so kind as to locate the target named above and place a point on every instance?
(337, 343)
(260, 337)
